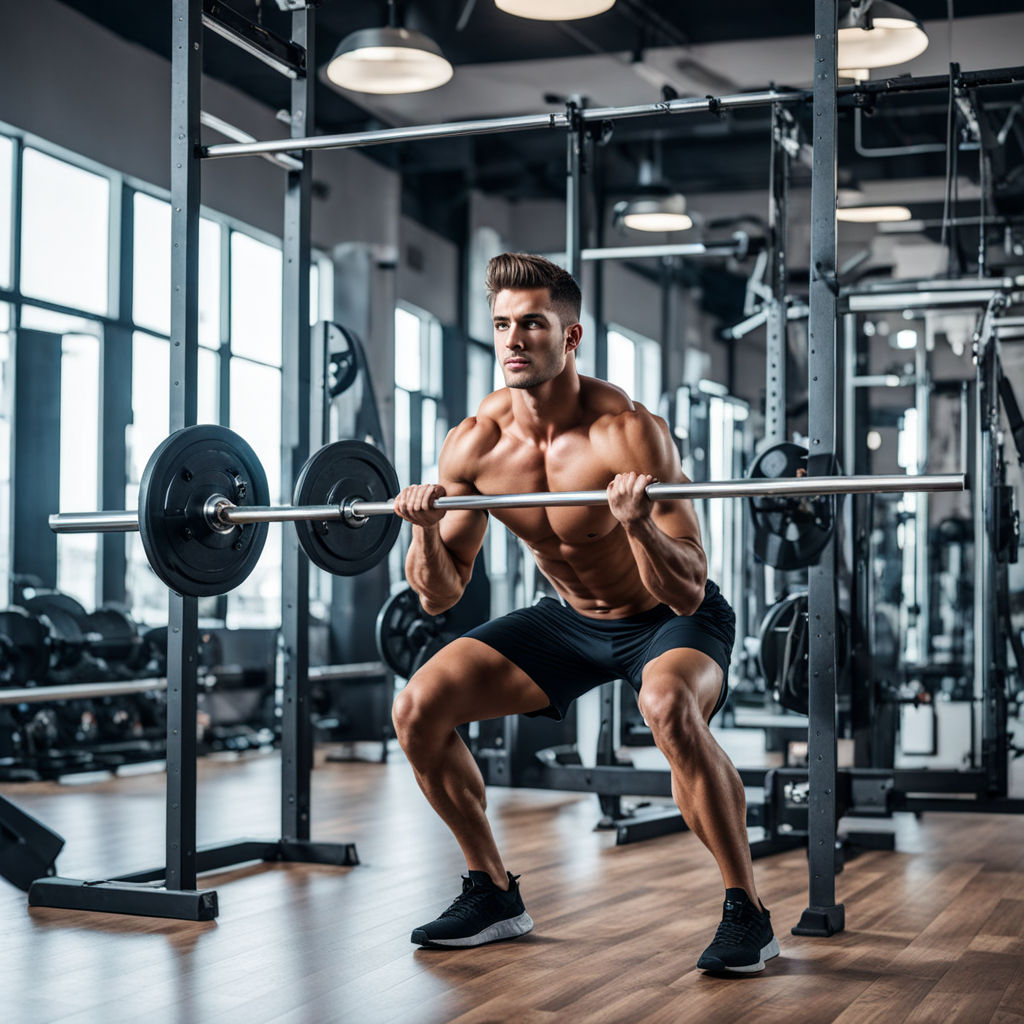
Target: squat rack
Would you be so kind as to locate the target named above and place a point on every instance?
(171, 890)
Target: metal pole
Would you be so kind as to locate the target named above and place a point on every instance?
(354, 508)
(635, 252)
(296, 724)
(414, 133)
(573, 192)
(183, 625)
(776, 326)
(823, 915)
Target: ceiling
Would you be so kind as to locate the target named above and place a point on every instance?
(508, 65)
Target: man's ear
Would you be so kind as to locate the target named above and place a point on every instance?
(573, 337)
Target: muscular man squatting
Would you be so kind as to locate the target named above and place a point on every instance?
(636, 604)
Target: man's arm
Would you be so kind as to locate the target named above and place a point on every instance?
(663, 535)
(444, 545)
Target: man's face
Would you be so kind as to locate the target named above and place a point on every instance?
(529, 341)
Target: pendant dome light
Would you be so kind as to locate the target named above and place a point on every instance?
(554, 10)
(657, 206)
(878, 34)
(388, 61)
(853, 209)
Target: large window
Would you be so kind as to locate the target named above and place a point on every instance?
(420, 426)
(65, 229)
(634, 364)
(6, 412)
(6, 208)
(71, 261)
(77, 553)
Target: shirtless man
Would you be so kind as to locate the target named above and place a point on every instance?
(636, 604)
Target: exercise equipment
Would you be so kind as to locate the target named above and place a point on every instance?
(28, 849)
(407, 637)
(782, 650)
(192, 473)
(331, 477)
(789, 531)
(203, 510)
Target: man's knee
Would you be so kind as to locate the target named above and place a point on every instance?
(670, 709)
(418, 710)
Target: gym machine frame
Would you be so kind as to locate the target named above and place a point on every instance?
(178, 896)
(171, 890)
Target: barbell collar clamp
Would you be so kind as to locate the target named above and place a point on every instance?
(214, 511)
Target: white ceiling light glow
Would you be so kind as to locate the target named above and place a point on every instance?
(554, 10)
(655, 213)
(878, 34)
(872, 214)
(388, 61)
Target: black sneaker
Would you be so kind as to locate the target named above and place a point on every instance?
(744, 939)
(482, 913)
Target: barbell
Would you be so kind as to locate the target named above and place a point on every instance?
(204, 506)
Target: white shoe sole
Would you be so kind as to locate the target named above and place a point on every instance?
(769, 951)
(510, 929)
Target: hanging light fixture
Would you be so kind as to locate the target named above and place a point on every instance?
(657, 206)
(878, 34)
(872, 214)
(655, 213)
(853, 209)
(388, 60)
(554, 10)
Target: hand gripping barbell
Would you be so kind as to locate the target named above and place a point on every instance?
(204, 506)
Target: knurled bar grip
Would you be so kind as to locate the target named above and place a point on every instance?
(355, 508)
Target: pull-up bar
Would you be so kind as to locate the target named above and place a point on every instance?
(688, 105)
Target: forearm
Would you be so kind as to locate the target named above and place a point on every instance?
(673, 571)
(432, 572)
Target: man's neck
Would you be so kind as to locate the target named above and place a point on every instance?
(550, 409)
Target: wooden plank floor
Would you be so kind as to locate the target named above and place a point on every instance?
(935, 931)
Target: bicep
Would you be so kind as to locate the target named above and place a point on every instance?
(647, 447)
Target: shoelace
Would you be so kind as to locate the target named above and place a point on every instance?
(732, 930)
(467, 903)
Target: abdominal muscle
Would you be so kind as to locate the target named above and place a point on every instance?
(598, 578)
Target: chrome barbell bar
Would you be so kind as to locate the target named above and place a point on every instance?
(224, 515)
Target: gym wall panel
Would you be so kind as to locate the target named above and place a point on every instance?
(428, 271)
(67, 79)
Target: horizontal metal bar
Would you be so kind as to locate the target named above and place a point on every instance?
(95, 522)
(632, 252)
(79, 691)
(355, 508)
(280, 54)
(697, 105)
(355, 670)
(242, 515)
(773, 487)
(229, 131)
(928, 83)
(693, 105)
(415, 133)
(891, 302)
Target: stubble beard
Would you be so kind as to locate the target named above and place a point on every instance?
(535, 379)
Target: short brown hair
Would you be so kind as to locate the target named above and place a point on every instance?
(525, 270)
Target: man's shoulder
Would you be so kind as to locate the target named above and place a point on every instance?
(470, 441)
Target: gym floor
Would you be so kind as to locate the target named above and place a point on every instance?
(935, 931)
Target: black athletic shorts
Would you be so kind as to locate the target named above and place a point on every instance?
(566, 654)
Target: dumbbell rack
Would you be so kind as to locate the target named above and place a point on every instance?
(172, 890)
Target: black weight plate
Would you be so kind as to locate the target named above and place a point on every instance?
(25, 652)
(789, 532)
(404, 631)
(187, 469)
(335, 474)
